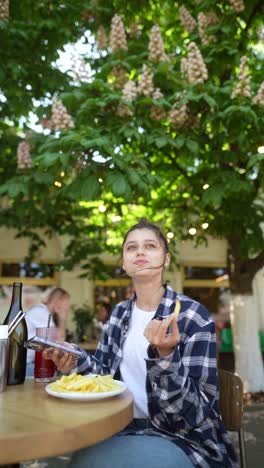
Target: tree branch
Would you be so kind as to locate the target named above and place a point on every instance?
(255, 264)
(258, 7)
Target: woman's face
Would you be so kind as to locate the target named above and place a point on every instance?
(143, 253)
(62, 307)
(102, 314)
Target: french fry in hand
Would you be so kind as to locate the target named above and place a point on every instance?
(177, 308)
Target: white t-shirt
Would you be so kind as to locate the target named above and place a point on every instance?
(133, 365)
(37, 316)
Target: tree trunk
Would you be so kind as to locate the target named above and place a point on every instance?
(258, 289)
(248, 357)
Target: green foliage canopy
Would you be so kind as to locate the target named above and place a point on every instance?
(133, 164)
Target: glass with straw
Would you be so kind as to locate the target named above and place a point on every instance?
(45, 369)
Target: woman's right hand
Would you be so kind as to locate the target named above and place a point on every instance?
(64, 362)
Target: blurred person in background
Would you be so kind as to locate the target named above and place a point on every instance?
(57, 307)
(103, 314)
(222, 318)
(104, 311)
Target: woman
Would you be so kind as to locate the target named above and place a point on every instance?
(53, 310)
(104, 311)
(168, 364)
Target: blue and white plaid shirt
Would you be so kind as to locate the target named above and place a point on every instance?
(182, 389)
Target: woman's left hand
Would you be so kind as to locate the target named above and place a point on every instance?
(157, 334)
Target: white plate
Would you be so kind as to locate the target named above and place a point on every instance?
(85, 396)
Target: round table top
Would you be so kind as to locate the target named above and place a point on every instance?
(34, 424)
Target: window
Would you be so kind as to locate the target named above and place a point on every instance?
(115, 289)
(42, 274)
(209, 285)
(207, 273)
(204, 276)
(30, 270)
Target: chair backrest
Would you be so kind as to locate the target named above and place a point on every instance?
(231, 400)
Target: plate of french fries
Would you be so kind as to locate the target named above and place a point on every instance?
(85, 387)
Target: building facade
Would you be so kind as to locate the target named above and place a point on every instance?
(200, 273)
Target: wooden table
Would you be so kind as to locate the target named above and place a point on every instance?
(35, 425)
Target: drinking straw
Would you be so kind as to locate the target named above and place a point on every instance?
(49, 319)
(48, 326)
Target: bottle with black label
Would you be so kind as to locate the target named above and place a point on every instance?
(17, 352)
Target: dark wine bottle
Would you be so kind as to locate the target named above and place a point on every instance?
(17, 353)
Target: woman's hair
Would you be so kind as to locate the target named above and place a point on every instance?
(107, 306)
(145, 224)
(59, 293)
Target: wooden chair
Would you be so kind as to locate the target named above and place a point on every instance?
(231, 407)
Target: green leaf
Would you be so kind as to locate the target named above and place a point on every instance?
(178, 142)
(213, 196)
(90, 189)
(49, 159)
(117, 183)
(4, 188)
(254, 159)
(163, 68)
(15, 188)
(192, 146)
(210, 101)
(230, 110)
(120, 187)
(133, 177)
(43, 178)
(161, 141)
(120, 162)
(83, 188)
